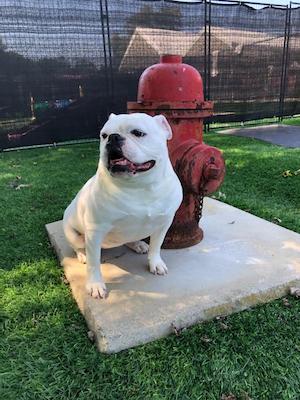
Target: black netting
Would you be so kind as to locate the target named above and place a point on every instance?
(142, 31)
(52, 73)
(246, 59)
(65, 64)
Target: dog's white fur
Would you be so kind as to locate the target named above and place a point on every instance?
(115, 209)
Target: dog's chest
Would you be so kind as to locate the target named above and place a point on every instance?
(134, 227)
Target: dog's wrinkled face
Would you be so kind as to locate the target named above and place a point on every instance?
(133, 144)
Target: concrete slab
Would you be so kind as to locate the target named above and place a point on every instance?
(282, 135)
(242, 261)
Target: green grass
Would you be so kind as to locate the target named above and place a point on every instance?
(265, 121)
(44, 349)
(256, 122)
(292, 121)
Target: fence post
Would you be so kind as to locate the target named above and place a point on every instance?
(109, 53)
(205, 49)
(109, 78)
(207, 52)
(284, 64)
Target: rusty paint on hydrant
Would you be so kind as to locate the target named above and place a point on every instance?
(175, 90)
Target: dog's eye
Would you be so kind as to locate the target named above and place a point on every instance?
(138, 133)
(104, 135)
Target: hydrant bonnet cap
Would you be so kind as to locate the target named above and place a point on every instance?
(171, 58)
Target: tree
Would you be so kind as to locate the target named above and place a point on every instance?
(165, 17)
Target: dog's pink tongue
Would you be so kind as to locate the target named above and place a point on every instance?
(130, 165)
(120, 161)
(124, 162)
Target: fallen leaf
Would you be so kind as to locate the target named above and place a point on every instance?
(221, 195)
(287, 173)
(223, 325)
(229, 396)
(277, 219)
(231, 223)
(22, 185)
(34, 321)
(13, 184)
(295, 291)
(91, 336)
(16, 185)
(176, 330)
(75, 327)
(205, 339)
(13, 165)
(297, 172)
(286, 302)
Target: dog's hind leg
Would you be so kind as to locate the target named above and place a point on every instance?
(139, 246)
(77, 242)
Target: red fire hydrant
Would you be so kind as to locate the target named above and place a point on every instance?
(176, 91)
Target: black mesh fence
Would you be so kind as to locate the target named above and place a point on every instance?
(64, 65)
(246, 58)
(142, 31)
(52, 71)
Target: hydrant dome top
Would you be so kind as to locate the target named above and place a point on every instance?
(170, 81)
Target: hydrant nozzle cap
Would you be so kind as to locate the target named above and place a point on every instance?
(171, 58)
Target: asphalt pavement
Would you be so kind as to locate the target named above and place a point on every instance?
(282, 135)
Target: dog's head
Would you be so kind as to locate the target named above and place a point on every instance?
(132, 145)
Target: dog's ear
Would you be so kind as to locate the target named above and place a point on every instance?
(112, 115)
(164, 124)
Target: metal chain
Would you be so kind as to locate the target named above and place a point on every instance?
(199, 205)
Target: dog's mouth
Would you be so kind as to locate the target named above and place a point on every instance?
(119, 163)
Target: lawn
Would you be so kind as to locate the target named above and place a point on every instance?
(292, 121)
(44, 349)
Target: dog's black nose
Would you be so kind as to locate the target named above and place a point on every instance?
(115, 139)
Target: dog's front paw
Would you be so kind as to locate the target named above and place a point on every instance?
(139, 246)
(158, 267)
(96, 289)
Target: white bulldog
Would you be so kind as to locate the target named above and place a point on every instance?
(134, 194)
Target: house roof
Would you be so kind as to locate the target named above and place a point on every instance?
(149, 44)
